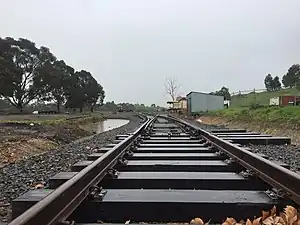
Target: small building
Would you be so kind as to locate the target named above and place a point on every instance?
(178, 106)
(202, 102)
(285, 100)
(182, 102)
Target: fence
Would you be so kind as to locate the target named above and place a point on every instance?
(258, 96)
(248, 92)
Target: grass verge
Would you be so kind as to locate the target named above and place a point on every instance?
(289, 115)
(57, 120)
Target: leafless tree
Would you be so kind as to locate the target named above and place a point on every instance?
(172, 87)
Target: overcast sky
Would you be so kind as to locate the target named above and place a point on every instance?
(131, 46)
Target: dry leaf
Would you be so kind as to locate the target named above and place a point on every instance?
(297, 222)
(284, 217)
(229, 221)
(274, 220)
(248, 222)
(273, 211)
(265, 214)
(197, 221)
(279, 220)
(291, 214)
(256, 221)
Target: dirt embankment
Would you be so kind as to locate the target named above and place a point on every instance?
(267, 128)
(25, 137)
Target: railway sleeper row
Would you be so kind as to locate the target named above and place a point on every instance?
(170, 175)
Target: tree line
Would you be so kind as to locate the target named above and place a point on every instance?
(290, 80)
(29, 73)
(129, 107)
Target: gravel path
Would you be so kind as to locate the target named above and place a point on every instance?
(19, 177)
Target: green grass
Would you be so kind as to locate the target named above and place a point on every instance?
(281, 115)
(262, 98)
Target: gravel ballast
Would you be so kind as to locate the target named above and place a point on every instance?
(288, 154)
(19, 177)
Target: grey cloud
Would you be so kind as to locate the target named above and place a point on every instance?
(131, 46)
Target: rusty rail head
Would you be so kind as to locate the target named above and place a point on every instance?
(275, 175)
(59, 204)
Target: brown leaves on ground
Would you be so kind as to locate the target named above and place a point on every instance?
(290, 216)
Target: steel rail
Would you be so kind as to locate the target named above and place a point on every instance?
(275, 175)
(59, 204)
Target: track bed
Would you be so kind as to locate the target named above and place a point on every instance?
(169, 174)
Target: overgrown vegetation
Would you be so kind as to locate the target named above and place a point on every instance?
(279, 115)
(29, 73)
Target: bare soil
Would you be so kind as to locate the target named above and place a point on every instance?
(24, 117)
(19, 141)
(266, 128)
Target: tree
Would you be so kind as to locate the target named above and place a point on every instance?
(28, 73)
(269, 82)
(292, 77)
(276, 85)
(84, 90)
(272, 84)
(74, 93)
(94, 94)
(110, 106)
(54, 77)
(172, 87)
(224, 91)
(127, 107)
(92, 90)
(19, 63)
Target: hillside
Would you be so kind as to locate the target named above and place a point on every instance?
(261, 98)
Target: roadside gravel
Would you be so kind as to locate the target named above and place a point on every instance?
(17, 178)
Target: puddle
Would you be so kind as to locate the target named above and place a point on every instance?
(109, 124)
(105, 125)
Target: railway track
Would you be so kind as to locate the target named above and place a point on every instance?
(168, 170)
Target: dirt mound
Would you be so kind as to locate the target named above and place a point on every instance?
(18, 142)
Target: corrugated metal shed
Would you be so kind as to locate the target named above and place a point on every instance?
(202, 102)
